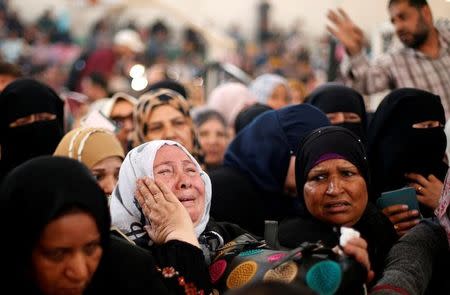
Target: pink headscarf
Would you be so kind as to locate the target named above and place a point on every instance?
(442, 211)
(229, 99)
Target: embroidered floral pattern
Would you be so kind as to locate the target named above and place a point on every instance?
(169, 272)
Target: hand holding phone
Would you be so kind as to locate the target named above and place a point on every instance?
(401, 207)
(403, 196)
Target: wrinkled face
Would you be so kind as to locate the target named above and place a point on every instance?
(213, 139)
(122, 115)
(67, 255)
(165, 122)
(335, 192)
(279, 97)
(173, 167)
(410, 25)
(107, 173)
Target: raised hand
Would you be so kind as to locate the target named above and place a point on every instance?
(168, 218)
(357, 247)
(349, 34)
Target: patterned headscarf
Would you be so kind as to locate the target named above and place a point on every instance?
(149, 101)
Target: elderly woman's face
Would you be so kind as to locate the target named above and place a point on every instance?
(166, 122)
(335, 192)
(173, 167)
(67, 254)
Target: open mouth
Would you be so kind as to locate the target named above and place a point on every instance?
(337, 207)
(187, 201)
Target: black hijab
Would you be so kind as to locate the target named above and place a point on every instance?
(34, 194)
(329, 143)
(263, 149)
(247, 115)
(23, 98)
(334, 97)
(396, 148)
(335, 142)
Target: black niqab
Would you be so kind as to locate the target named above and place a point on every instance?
(22, 98)
(396, 148)
(333, 97)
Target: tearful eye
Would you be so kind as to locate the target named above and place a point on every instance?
(163, 172)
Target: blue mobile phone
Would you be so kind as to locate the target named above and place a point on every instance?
(406, 196)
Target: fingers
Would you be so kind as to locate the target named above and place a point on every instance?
(333, 31)
(403, 227)
(145, 192)
(333, 17)
(404, 216)
(358, 249)
(344, 14)
(432, 178)
(167, 193)
(417, 178)
(154, 189)
(395, 209)
(358, 242)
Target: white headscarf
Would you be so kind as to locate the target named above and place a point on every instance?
(125, 211)
(263, 86)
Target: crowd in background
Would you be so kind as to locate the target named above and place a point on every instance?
(126, 168)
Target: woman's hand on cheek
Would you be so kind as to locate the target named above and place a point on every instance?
(357, 248)
(168, 218)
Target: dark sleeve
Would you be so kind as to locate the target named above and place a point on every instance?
(127, 269)
(410, 263)
(182, 265)
(380, 235)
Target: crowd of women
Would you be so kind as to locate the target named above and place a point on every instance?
(149, 205)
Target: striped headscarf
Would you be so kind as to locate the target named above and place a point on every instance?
(150, 100)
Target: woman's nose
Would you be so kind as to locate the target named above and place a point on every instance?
(184, 181)
(334, 186)
(108, 184)
(77, 268)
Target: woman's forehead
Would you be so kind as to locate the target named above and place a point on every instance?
(173, 153)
